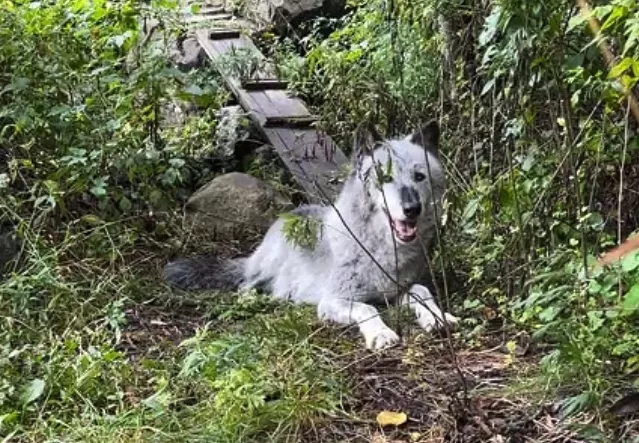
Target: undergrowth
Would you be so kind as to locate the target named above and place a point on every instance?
(540, 149)
(539, 146)
(93, 166)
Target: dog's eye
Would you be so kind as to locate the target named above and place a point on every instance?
(419, 177)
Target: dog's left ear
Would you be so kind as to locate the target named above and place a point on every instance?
(427, 137)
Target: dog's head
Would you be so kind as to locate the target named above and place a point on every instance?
(402, 177)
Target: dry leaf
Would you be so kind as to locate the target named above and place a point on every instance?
(380, 438)
(388, 418)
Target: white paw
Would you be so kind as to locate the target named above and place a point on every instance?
(429, 322)
(384, 338)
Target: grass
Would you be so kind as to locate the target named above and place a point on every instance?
(82, 360)
(97, 349)
(94, 348)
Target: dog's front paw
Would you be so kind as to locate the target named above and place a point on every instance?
(382, 339)
(428, 321)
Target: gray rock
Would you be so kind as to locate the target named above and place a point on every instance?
(282, 13)
(233, 206)
(190, 54)
(232, 128)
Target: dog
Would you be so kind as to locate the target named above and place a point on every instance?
(372, 242)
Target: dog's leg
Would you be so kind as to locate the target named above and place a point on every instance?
(376, 334)
(429, 315)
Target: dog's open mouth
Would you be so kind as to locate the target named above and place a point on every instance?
(405, 230)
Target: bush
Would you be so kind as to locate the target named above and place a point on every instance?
(538, 145)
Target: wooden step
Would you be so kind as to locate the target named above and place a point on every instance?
(223, 34)
(264, 84)
(205, 18)
(294, 121)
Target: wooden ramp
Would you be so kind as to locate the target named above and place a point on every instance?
(314, 160)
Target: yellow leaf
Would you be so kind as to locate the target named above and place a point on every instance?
(92, 220)
(387, 418)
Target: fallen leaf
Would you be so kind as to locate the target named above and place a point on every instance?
(388, 418)
(33, 391)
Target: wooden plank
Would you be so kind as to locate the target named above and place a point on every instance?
(294, 166)
(245, 99)
(229, 46)
(315, 146)
(287, 105)
(209, 9)
(290, 122)
(264, 84)
(284, 121)
(307, 158)
(269, 104)
(244, 44)
(208, 18)
(278, 105)
(262, 101)
(221, 34)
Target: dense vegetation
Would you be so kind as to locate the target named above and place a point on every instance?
(540, 149)
(541, 152)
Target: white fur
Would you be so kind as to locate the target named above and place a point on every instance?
(338, 276)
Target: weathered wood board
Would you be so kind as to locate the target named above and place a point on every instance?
(312, 157)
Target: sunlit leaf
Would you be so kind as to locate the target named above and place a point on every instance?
(389, 418)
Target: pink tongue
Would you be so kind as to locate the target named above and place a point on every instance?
(404, 228)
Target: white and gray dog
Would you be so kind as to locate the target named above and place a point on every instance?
(372, 242)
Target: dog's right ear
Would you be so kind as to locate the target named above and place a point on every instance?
(365, 140)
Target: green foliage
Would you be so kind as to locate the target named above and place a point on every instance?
(370, 65)
(589, 318)
(265, 386)
(82, 118)
(301, 230)
(535, 134)
(91, 164)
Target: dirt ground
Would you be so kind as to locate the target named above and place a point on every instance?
(461, 399)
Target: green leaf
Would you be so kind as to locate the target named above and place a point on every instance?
(549, 314)
(577, 20)
(194, 90)
(621, 67)
(488, 86)
(99, 188)
(631, 300)
(470, 210)
(125, 205)
(32, 391)
(156, 196)
(630, 262)
(490, 26)
(617, 13)
(92, 219)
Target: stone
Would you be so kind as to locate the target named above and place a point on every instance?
(190, 55)
(232, 128)
(281, 14)
(234, 206)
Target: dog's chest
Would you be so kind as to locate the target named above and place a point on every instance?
(376, 278)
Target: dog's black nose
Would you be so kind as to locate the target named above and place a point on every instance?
(413, 210)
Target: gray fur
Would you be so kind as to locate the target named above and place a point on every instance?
(337, 275)
(205, 273)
